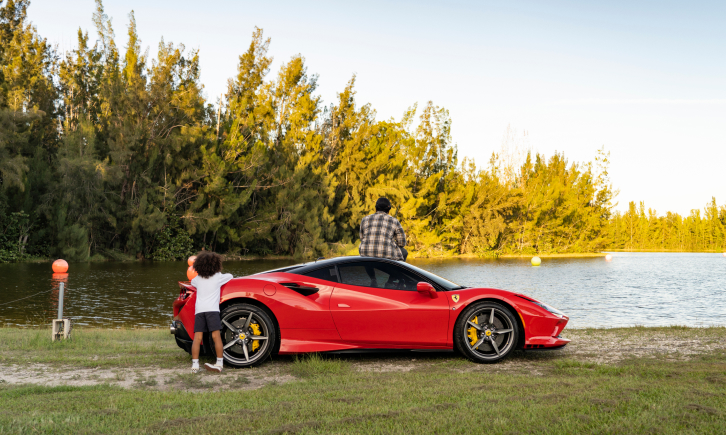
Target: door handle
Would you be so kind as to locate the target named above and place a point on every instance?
(343, 306)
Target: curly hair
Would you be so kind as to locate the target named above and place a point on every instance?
(208, 263)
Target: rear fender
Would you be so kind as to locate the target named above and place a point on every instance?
(294, 313)
(292, 309)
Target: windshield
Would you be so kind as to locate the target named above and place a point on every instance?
(445, 283)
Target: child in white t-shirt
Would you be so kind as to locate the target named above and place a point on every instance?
(208, 283)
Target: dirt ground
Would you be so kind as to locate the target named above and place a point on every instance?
(588, 345)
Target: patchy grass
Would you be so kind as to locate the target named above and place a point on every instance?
(314, 364)
(638, 396)
(189, 381)
(91, 348)
(643, 391)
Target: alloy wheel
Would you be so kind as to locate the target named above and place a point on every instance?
(245, 337)
(489, 333)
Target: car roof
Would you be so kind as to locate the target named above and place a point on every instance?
(304, 268)
(318, 264)
(342, 260)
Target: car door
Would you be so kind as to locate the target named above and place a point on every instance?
(377, 303)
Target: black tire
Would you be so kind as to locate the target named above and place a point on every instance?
(236, 316)
(481, 350)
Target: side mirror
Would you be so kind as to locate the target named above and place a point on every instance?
(427, 289)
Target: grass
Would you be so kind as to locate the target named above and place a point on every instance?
(546, 394)
(92, 348)
(314, 364)
(642, 396)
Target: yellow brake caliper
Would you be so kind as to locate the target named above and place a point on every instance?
(255, 330)
(471, 333)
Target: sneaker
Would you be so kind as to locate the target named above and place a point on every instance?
(213, 368)
(195, 370)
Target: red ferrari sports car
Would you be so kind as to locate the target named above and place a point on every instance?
(357, 303)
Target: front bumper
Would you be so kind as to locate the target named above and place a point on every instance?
(546, 343)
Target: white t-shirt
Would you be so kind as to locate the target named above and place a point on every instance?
(208, 291)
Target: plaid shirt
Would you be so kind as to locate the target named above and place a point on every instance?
(380, 236)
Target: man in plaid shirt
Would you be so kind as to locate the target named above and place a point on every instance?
(381, 235)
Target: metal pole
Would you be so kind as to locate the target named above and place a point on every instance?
(60, 302)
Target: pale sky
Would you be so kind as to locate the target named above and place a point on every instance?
(646, 80)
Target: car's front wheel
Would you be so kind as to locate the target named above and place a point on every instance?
(486, 332)
(248, 335)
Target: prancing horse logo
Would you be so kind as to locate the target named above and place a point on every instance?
(455, 298)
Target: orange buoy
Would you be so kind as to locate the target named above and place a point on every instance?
(608, 257)
(191, 273)
(60, 266)
(191, 259)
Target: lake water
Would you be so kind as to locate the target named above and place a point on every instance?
(651, 289)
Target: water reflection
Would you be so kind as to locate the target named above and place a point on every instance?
(644, 289)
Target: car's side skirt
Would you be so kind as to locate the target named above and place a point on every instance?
(289, 346)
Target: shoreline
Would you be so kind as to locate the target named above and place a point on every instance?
(412, 256)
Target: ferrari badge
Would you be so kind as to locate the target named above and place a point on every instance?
(455, 298)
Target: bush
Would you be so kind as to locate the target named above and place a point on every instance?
(14, 229)
(172, 242)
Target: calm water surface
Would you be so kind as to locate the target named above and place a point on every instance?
(649, 289)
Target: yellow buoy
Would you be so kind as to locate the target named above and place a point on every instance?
(608, 257)
(536, 261)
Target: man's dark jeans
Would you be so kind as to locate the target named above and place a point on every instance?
(404, 252)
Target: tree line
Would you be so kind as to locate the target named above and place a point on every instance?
(639, 229)
(106, 152)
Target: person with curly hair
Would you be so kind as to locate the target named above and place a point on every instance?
(208, 283)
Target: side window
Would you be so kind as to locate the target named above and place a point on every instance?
(377, 275)
(397, 278)
(326, 274)
(357, 274)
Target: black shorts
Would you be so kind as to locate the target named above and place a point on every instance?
(207, 322)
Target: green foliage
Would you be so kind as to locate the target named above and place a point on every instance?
(14, 229)
(638, 229)
(105, 147)
(172, 242)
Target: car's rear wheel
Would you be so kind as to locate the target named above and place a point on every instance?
(248, 335)
(486, 332)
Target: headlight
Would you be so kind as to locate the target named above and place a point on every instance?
(552, 310)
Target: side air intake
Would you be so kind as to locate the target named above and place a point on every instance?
(303, 290)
